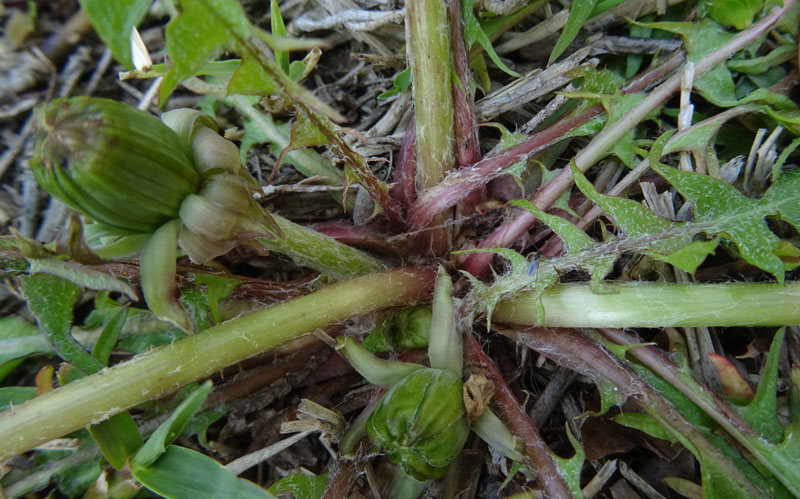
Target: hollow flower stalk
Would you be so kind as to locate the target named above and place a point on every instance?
(146, 185)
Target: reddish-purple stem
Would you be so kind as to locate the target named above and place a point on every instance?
(342, 477)
(465, 118)
(363, 237)
(547, 476)
(459, 183)
(404, 188)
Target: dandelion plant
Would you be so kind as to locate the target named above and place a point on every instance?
(626, 254)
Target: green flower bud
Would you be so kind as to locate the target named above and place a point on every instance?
(120, 166)
(421, 422)
(134, 175)
(411, 327)
(408, 328)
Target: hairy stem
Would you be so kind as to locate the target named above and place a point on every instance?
(95, 398)
(431, 69)
(636, 304)
(323, 253)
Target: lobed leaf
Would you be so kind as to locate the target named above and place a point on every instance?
(721, 209)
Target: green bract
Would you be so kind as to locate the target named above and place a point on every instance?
(147, 185)
(421, 422)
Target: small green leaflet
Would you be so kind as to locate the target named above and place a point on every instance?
(114, 22)
(170, 429)
(762, 64)
(301, 486)
(736, 13)
(278, 29)
(579, 13)
(402, 81)
(576, 241)
(182, 473)
(473, 33)
(109, 336)
(118, 438)
(205, 28)
(219, 287)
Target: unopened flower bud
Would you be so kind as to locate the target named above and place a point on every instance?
(421, 422)
(117, 165)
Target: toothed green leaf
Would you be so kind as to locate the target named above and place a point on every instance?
(576, 241)
(518, 279)
(644, 422)
(721, 209)
(400, 84)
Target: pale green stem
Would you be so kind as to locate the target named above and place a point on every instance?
(95, 398)
(638, 304)
(317, 251)
(427, 32)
